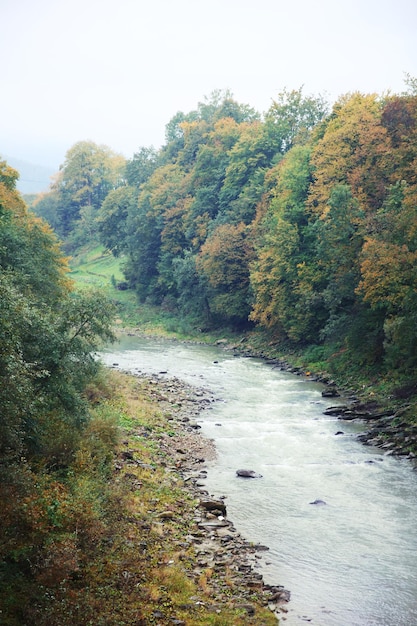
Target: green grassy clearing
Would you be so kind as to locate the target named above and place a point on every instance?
(96, 268)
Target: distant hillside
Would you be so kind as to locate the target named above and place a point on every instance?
(33, 178)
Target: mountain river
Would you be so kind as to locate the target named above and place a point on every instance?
(349, 562)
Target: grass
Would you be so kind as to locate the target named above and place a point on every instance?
(96, 268)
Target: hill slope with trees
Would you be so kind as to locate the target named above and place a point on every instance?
(300, 221)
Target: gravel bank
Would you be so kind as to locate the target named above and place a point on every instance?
(217, 545)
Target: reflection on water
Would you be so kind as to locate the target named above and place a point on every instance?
(350, 562)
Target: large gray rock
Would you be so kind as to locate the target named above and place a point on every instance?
(244, 473)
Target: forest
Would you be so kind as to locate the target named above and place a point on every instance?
(301, 222)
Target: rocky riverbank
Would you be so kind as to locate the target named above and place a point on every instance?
(384, 429)
(224, 562)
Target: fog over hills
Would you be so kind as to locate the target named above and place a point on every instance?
(33, 178)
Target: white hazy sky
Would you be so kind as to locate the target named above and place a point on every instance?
(116, 71)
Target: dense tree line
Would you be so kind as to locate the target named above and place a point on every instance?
(302, 220)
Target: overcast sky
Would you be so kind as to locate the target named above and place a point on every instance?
(116, 71)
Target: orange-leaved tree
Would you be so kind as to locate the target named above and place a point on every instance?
(224, 264)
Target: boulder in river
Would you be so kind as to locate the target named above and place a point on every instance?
(244, 473)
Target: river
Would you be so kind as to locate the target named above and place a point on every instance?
(349, 562)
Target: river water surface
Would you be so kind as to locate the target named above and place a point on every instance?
(350, 562)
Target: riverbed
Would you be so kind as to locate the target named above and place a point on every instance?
(350, 560)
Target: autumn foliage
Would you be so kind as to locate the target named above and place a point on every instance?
(301, 221)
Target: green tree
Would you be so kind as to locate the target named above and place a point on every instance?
(208, 177)
(112, 218)
(88, 174)
(141, 166)
(29, 250)
(340, 236)
(292, 117)
(46, 206)
(284, 275)
(220, 104)
(47, 332)
(249, 159)
(143, 248)
(290, 120)
(149, 264)
(191, 288)
(174, 136)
